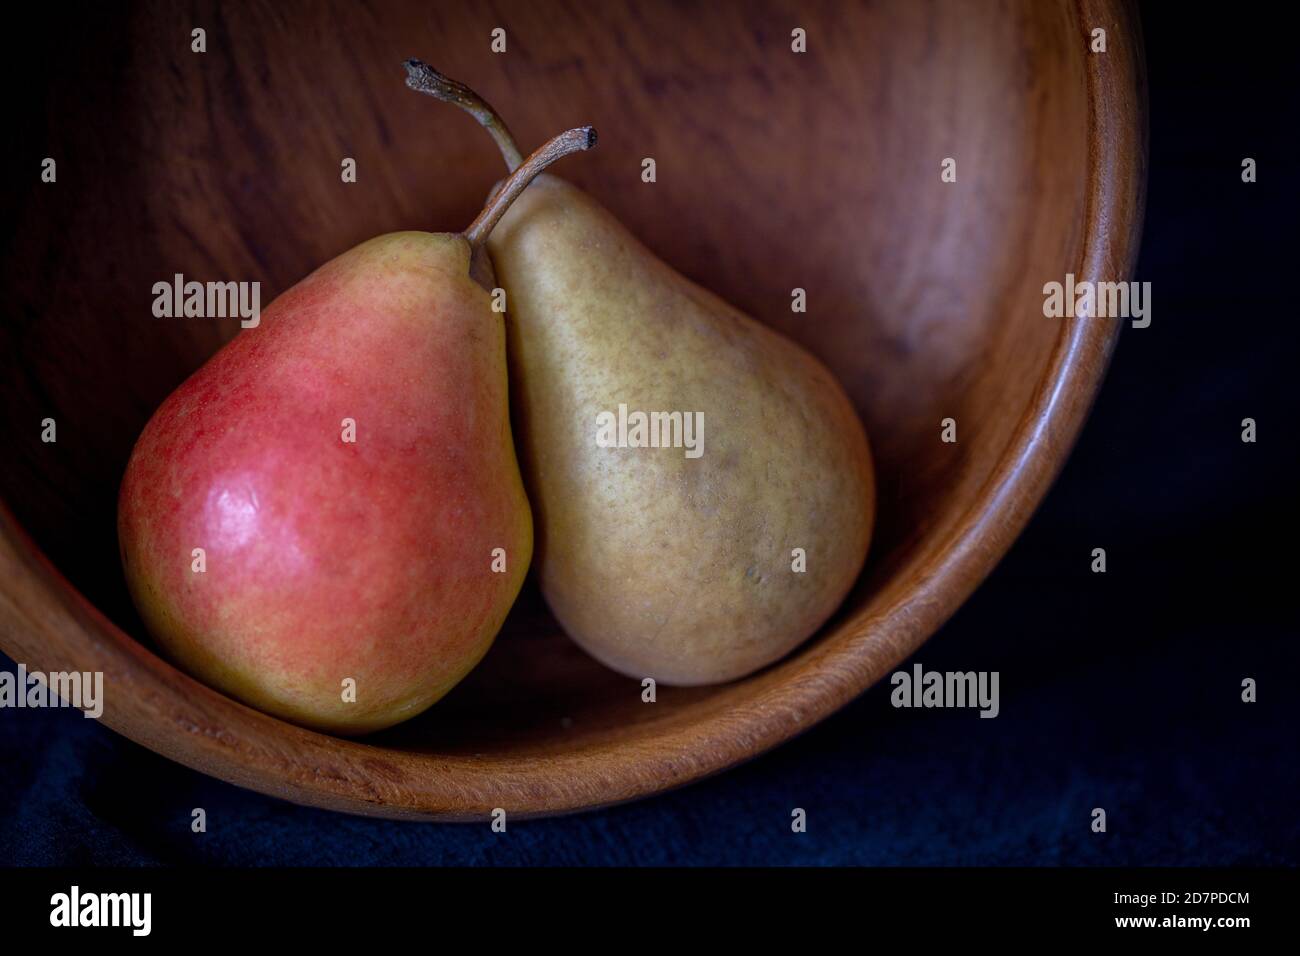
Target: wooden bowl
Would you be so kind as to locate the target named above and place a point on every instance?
(775, 170)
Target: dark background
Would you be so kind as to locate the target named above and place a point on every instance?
(1119, 691)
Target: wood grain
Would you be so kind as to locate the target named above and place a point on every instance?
(775, 171)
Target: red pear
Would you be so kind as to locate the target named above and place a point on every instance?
(326, 521)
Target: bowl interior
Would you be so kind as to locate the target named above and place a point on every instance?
(775, 170)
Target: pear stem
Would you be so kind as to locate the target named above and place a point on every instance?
(570, 141)
(425, 79)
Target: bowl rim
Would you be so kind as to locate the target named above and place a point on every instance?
(51, 626)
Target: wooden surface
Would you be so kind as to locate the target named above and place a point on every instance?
(775, 170)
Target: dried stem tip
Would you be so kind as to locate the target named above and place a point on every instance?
(425, 79)
(571, 141)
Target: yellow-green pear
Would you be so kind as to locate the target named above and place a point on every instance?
(702, 487)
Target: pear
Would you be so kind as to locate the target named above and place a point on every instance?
(327, 520)
(689, 565)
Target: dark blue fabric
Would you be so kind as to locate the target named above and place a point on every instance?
(1119, 691)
